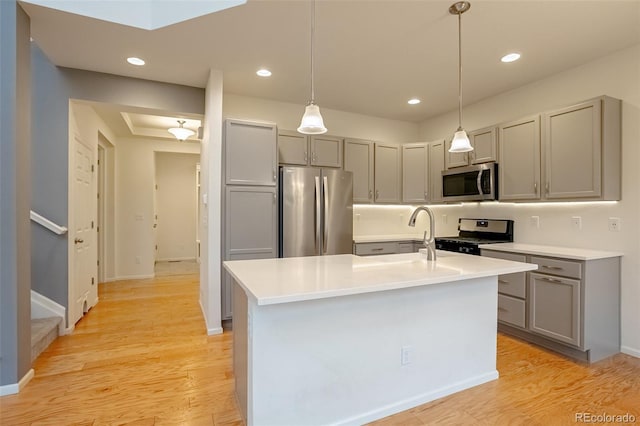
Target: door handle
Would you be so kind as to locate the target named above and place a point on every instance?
(325, 192)
(479, 182)
(78, 241)
(316, 217)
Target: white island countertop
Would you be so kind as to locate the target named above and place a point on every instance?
(294, 279)
(552, 251)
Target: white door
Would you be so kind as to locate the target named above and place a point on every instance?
(83, 292)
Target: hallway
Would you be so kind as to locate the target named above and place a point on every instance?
(141, 356)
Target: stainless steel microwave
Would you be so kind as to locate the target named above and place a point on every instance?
(472, 183)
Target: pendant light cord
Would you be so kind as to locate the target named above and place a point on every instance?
(313, 30)
(460, 70)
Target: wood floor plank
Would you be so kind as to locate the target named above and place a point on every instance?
(142, 357)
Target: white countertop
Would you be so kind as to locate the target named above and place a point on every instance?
(553, 251)
(294, 279)
(386, 238)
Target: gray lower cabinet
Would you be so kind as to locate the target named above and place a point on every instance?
(570, 306)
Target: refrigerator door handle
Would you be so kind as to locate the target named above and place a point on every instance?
(325, 192)
(316, 216)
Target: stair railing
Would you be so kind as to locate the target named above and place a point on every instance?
(51, 226)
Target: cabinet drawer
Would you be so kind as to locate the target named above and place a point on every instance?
(563, 268)
(511, 311)
(513, 284)
(502, 255)
(406, 247)
(376, 248)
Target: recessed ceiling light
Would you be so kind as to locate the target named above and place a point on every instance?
(510, 57)
(136, 61)
(414, 101)
(264, 73)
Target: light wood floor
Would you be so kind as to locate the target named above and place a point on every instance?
(142, 357)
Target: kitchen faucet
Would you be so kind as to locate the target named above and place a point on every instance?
(430, 244)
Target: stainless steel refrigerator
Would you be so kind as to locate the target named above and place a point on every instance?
(316, 211)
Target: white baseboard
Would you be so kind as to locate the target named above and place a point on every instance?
(210, 330)
(176, 259)
(43, 307)
(408, 403)
(134, 277)
(68, 330)
(630, 351)
(17, 387)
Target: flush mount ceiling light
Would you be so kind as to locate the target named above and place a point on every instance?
(136, 61)
(460, 142)
(510, 57)
(180, 132)
(414, 101)
(264, 72)
(312, 123)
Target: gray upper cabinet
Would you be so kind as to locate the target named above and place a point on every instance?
(415, 173)
(485, 149)
(251, 156)
(387, 171)
(519, 151)
(326, 151)
(436, 166)
(293, 148)
(581, 146)
(297, 149)
(358, 159)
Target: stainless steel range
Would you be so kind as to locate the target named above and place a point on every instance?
(473, 232)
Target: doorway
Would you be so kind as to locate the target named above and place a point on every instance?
(176, 213)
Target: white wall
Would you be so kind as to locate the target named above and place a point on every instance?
(211, 189)
(617, 75)
(340, 123)
(135, 177)
(176, 201)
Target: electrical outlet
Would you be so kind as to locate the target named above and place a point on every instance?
(535, 222)
(576, 222)
(406, 355)
(615, 224)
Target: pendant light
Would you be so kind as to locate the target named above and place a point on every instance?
(312, 123)
(460, 142)
(180, 132)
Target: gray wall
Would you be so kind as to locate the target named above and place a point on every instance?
(53, 87)
(15, 279)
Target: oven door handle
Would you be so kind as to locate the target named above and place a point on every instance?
(479, 182)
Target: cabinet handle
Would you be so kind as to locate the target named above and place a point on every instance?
(425, 195)
(503, 282)
(535, 188)
(546, 188)
(370, 194)
(551, 280)
(377, 249)
(274, 174)
(305, 156)
(377, 194)
(555, 268)
(500, 309)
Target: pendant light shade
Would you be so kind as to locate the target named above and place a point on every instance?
(180, 132)
(312, 123)
(460, 141)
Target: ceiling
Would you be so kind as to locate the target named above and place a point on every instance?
(371, 55)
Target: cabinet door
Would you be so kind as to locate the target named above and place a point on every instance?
(455, 159)
(387, 173)
(484, 144)
(436, 166)
(572, 151)
(251, 156)
(292, 148)
(415, 172)
(519, 168)
(326, 151)
(554, 307)
(251, 218)
(358, 159)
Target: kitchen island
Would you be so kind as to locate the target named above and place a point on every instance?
(346, 339)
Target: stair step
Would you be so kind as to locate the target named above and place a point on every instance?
(43, 332)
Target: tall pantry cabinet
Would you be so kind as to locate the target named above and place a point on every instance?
(250, 205)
